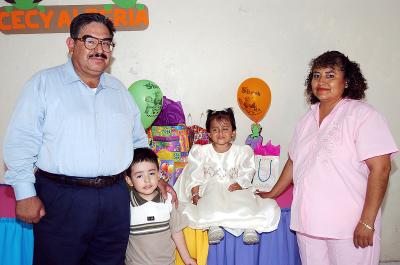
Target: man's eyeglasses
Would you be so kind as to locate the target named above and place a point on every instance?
(91, 43)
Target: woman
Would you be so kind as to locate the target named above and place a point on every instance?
(339, 163)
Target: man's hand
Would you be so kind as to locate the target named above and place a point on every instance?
(234, 186)
(30, 210)
(166, 188)
(363, 237)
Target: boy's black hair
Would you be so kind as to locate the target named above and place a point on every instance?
(225, 114)
(141, 155)
(85, 18)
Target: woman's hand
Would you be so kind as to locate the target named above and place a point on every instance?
(379, 169)
(166, 188)
(284, 181)
(363, 236)
(264, 194)
(234, 186)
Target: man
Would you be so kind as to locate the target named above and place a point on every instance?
(78, 126)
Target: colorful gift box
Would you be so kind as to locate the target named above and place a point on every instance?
(171, 144)
(169, 134)
(170, 170)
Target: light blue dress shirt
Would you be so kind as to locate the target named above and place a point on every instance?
(61, 126)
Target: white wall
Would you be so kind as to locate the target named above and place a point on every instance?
(200, 51)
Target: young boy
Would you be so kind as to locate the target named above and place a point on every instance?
(155, 223)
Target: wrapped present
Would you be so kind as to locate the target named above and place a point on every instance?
(166, 169)
(175, 156)
(179, 166)
(171, 170)
(170, 134)
(171, 144)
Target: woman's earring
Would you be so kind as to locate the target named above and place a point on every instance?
(346, 86)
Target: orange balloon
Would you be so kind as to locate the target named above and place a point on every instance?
(254, 98)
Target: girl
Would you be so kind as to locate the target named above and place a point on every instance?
(217, 181)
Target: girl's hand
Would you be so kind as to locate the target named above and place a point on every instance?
(234, 187)
(195, 198)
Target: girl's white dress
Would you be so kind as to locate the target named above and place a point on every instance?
(214, 172)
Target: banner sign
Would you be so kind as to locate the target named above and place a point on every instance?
(55, 19)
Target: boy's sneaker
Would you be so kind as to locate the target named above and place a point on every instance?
(250, 237)
(215, 234)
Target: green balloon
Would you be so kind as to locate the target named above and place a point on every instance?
(149, 98)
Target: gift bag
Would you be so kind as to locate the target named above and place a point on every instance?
(196, 133)
(267, 172)
(267, 166)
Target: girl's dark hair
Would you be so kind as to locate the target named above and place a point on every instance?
(355, 81)
(85, 18)
(142, 155)
(225, 114)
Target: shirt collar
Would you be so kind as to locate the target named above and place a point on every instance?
(137, 200)
(71, 76)
(315, 108)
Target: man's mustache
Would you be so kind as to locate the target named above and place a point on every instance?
(97, 54)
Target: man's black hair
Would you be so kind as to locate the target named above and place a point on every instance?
(85, 18)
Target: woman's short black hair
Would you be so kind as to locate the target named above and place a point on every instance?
(355, 81)
(142, 155)
(85, 18)
(225, 114)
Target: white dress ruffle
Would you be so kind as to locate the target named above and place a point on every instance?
(214, 172)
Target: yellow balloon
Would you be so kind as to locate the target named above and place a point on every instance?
(254, 98)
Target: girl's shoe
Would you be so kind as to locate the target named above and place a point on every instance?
(250, 237)
(215, 234)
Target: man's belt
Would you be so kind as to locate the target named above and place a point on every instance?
(97, 182)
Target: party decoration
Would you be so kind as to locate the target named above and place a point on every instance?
(127, 4)
(255, 138)
(149, 98)
(268, 150)
(254, 98)
(24, 5)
